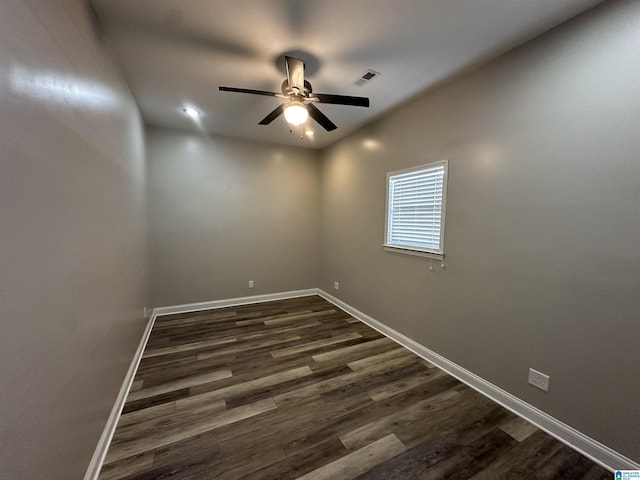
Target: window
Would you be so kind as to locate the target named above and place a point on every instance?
(415, 210)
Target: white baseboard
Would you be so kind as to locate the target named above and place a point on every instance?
(230, 302)
(107, 434)
(587, 446)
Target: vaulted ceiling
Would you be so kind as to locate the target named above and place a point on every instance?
(175, 53)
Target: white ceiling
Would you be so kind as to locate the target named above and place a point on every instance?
(177, 52)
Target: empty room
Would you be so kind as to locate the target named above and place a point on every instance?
(319, 239)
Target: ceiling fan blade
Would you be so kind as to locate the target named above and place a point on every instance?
(342, 99)
(320, 117)
(253, 92)
(273, 115)
(295, 73)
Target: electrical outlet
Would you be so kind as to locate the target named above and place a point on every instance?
(539, 380)
(336, 285)
(250, 283)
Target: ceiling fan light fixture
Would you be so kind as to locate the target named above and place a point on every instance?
(299, 102)
(296, 114)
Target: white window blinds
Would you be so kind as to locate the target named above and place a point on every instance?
(415, 208)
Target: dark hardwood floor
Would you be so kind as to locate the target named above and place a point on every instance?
(298, 389)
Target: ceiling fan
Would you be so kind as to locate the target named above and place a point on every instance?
(300, 98)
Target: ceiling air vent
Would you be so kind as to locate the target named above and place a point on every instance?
(366, 78)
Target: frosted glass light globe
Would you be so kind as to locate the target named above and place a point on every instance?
(296, 114)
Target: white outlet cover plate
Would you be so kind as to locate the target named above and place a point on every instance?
(539, 380)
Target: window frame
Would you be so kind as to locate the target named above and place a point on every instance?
(410, 249)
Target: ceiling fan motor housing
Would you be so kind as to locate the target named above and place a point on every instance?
(291, 92)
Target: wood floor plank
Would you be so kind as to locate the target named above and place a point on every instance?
(386, 425)
(469, 408)
(469, 459)
(283, 352)
(136, 385)
(298, 389)
(165, 423)
(406, 383)
(315, 432)
(360, 349)
(331, 383)
(283, 423)
(518, 428)
(177, 324)
(290, 317)
(190, 459)
(400, 355)
(187, 346)
(359, 461)
(141, 415)
(242, 388)
(259, 364)
(242, 456)
(144, 403)
(248, 346)
(282, 316)
(424, 456)
(164, 437)
(195, 451)
(178, 384)
(301, 325)
(300, 316)
(127, 467)
(294, 466)
(192, 318)
(525, 457)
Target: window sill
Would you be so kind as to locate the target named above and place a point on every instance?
(413, 251)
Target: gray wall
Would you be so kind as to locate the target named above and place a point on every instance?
(72, 238)
(543, 223)
(224, 211)
(542, 229)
